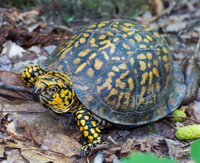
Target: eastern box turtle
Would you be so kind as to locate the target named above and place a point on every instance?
(117, 70)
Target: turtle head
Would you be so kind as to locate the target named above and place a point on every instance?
(54, 90)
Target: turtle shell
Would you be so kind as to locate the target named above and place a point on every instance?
(121, 71)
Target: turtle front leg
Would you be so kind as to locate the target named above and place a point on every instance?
(89, 128)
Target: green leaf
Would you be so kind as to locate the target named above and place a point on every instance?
(195, 151)
(144, 158)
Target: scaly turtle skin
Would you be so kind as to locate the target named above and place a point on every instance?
(117, 70)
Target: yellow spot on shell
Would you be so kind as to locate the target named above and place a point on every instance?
(155, 62)
(101, 37)
(92, 55)
(115, 68)
(165, 50)
(144, 77)
(64, 52)
(126, 46)
(130, 82)
(115, 29)
(148, 29)
(90, 72)
(123, 75)
(167, 67)
(86, 35)
(141, 100)
(164, 58)
(141, 56)
(111, 74)
(110, 33)
(149, 65)
(130, 52)
(149, 55)
(129, 24)
(156, 34)
(112, 93)
(132, 41)
(131, 33)
(142, 65)
(142, 46)
(115, 58)
(123, 28)
(120, 84)
(150, 77)
(81, 67)
(155, 72)
(145, 40)
(123, 66)
(76, 44)
(108, 44)
(82, 40)
(105, 55)
(76, 60)
(101, 25)
(92, 42)
(132, 61)
(98, 63)
(116, 39)
(158, 86)
(149, 37)
(92, 26)
(124, 35)
(84, 53)
(138, 38)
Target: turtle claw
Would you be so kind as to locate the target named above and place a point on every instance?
(87, 147)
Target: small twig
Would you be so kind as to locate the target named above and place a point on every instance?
(198, 44)
(112, 140)
(164, 120)
(184, 118)
(3, 85)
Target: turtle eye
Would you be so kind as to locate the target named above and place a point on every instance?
(53, 90)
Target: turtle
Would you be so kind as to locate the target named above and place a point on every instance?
(114, 72)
